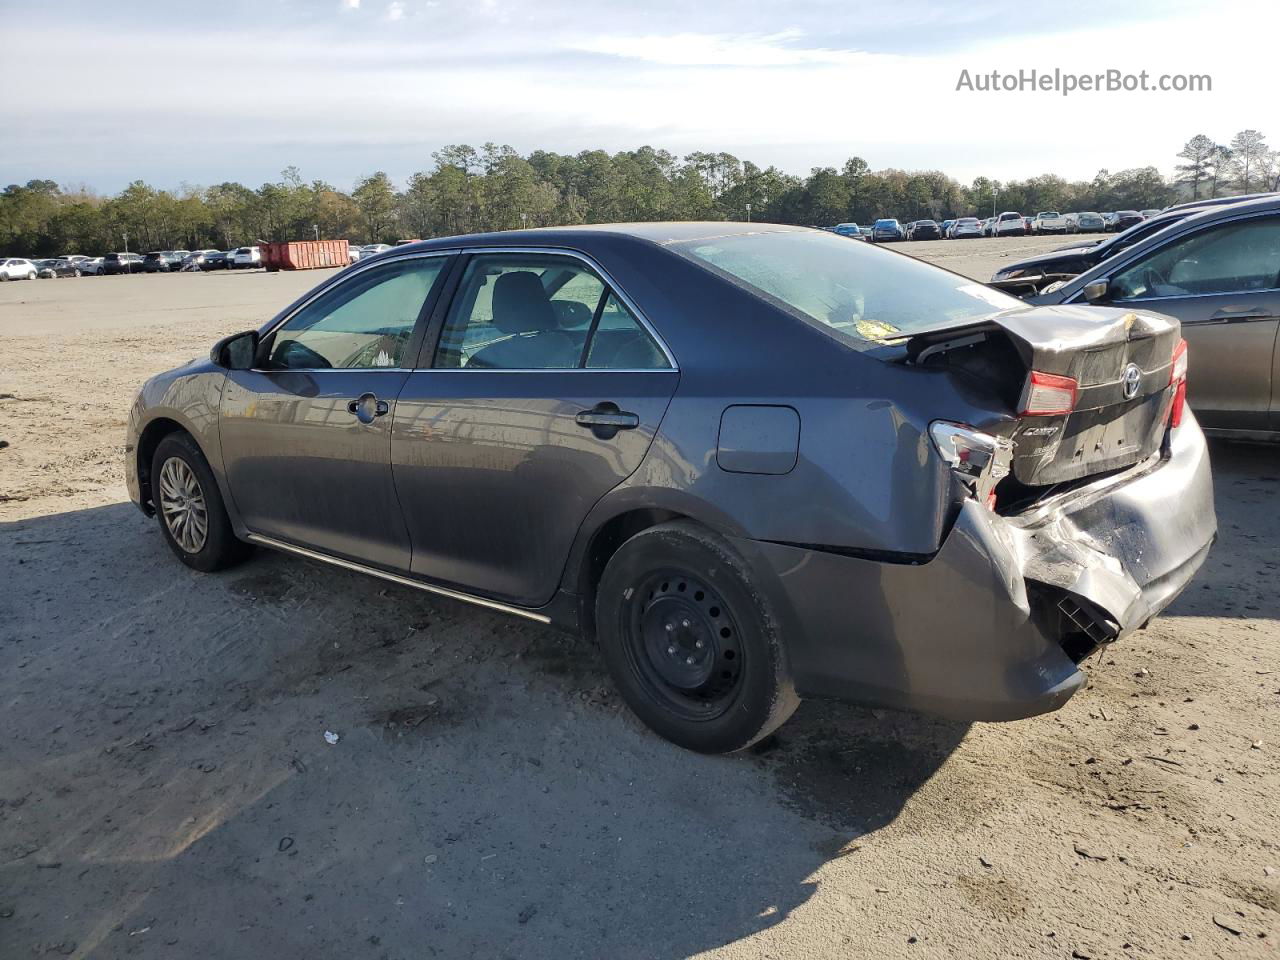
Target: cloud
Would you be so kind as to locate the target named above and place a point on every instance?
(566, 77)
(351, 4)
(718, 50)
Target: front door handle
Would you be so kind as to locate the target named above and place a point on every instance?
(367, 407)
(605, 420)
(1242, 313)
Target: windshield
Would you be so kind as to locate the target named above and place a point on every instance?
(886, 223)
(865, 295)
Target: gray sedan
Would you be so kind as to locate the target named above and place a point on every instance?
(755, 463)
(1218, 272)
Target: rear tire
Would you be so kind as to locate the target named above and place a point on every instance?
(193, 519)
(690, 640)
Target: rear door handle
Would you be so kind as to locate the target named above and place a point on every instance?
(367, 407)
(605, 420)
(1244, 313)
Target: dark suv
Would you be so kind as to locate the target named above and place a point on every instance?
(162, 261)
(114, 263)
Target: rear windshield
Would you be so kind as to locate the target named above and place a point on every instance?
(864, 295)
(1010, 216)
(886, 223)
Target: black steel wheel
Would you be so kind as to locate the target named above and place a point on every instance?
(690, 640)
(684, 643)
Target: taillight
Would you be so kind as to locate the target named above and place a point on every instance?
(978, 460)
(1047, 395)
(1178, 380)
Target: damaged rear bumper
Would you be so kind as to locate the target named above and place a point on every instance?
(993, 626)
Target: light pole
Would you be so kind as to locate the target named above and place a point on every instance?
(316, 228)
(748, 213)
(128, 267)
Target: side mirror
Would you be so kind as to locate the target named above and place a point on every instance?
(236, 352)
(1096, 292)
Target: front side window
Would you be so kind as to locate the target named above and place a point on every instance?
(1239, 257)
(364, 322)
(540, 312)
(863, 294)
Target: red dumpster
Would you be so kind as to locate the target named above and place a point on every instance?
(304, 254)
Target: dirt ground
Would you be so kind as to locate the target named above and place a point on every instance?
(166, 788)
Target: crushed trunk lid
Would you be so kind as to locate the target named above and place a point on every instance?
(1119, 359)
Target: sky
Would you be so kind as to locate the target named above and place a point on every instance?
(101, 94)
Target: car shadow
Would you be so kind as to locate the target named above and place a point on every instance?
(1238, 577)
(168, 788)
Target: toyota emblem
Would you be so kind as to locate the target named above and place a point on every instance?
(1131, 381)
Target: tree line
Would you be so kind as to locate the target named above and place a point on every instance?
(469, 190)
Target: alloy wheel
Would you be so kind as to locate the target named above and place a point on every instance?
(182, 505)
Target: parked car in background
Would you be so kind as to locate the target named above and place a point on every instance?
(988, 226)
(976, 551)
(887, 230)
(18, 268)
(114, 263)
(79, 259)
(161, 261)
(851, 230)
(213, 260)
(866, 232)
(196, 259)
(373, 249)
(55, 267)
(245, 258)
(1026, 224)
(1085, 223)
(1035, 273)
(90, 266)
(965, 227)
(1151, 212)
(924, 230)
(1124, 219)
(1216, 270)
(1049, 221)
(1008, 224)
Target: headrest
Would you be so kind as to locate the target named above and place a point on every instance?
(521, 304)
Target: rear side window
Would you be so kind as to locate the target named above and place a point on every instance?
(541, 312)
(1238, 257)
(864, 295)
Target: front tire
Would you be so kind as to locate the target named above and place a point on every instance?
(690, 640)
(193, 519)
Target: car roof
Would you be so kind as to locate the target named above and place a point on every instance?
(1221, 201)
(587, 235)
(1265, 204)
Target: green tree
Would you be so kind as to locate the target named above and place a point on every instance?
(1198, 153)
(376, 198)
